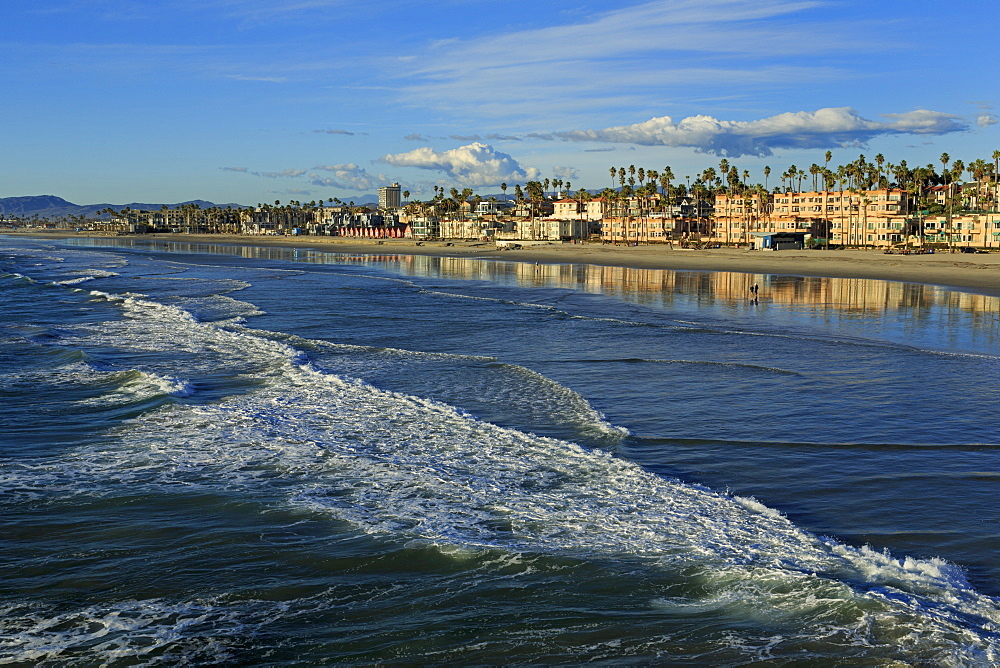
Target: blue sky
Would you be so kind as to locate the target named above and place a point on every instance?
(255, 100)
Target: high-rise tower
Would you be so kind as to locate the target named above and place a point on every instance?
(389, 197)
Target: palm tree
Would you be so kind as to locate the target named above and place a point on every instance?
(945, 159)
(666, 176)
(996, 179)
(841, 176)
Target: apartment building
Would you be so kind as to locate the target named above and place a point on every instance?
(847, 217)
(390, 197)
(578, 209)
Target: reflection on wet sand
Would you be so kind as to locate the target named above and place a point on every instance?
(922, 303)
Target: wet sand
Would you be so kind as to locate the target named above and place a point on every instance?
(964, 271)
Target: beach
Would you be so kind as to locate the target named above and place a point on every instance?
(975, 272)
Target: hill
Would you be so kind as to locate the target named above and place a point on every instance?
(50, 206)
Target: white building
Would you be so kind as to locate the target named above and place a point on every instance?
(389, 197)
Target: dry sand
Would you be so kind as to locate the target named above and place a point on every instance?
(964, 271)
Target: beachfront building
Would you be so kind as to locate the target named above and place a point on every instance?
(544, 229)
(880, 217)
(778, 240)
(390, 197)
(579, 209)
(979, 195)
(974, 230)
(425, 227)
(738, 217)
(465, 228)
(532, 209)
(654, 219)
(185, 219)
(489, 208)
(572, 219)
(637, 229)
(554, 229)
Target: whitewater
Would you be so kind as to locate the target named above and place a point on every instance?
(222, 455)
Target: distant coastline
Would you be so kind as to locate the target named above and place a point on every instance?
(978, 273)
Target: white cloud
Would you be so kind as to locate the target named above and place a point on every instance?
(348, 176)
(986, 120)
(824, 128)
(475, 164)
(565, 173)
(923, 122)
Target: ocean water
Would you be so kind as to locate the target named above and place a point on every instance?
(225, 454)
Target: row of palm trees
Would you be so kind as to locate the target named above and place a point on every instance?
(862, 174)
(637, 184)
(636, 192)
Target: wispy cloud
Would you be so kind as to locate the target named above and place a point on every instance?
(493, 136)
(631, 56)
(283, 174)
(475, 164)
(291, 191)
(347, 176)
(824, 128)
(254, 13)
(245, 77)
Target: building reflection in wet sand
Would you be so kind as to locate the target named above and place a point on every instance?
(921, 306)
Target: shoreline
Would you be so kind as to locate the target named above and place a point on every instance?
(965, 272)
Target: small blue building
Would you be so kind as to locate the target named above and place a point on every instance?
(779, 240)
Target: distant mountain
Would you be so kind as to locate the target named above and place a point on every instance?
(50, 206)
